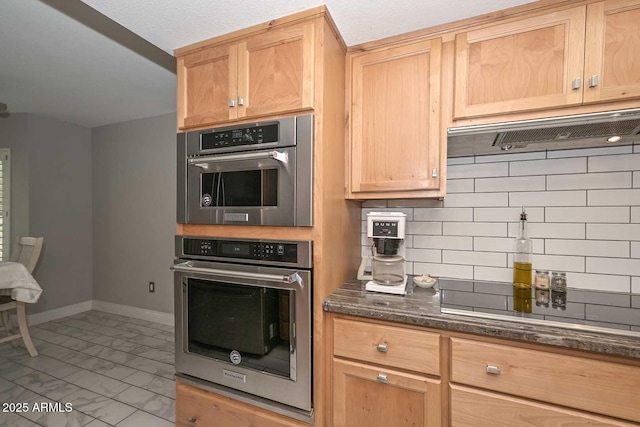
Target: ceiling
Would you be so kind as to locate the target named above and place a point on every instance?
(55, 66)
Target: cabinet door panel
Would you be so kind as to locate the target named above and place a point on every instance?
(518, 66)
(613, 51)
(395, 118)
(472, 408)
(206, 82)
(361, 400)
(276, 71)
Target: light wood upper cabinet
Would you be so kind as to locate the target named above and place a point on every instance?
(571, 57)
(529, 64)
(394, 134)
(612, 70)
(262, 75)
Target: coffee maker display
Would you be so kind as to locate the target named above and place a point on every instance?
(385, 268)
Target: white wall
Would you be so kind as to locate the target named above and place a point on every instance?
(584, 217)
(134, 212)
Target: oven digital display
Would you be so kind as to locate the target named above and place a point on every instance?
(235, 249)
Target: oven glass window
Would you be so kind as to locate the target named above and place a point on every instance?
(240, 188)
(240, 325)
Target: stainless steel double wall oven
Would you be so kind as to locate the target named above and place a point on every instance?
(244, 319)
(249, 174)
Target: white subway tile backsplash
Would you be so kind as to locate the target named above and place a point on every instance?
(522, 183)
(627, 162)
(613, 197)
(493, 274)
(511, 157)
(635, 249)
(434, 228)
(443, 242)
(636, 148)
(548, 167)
(590, 214)
(487, 259)
(583, 217)
(588, 152)
(474, 229)
(470, 200)
(460, 186)
(507, 214)
(559, 263)
(598, 282)
(503, 244)
(443, 214)
(624, 232)
(548, 198)
(477, 170)
(551, 230)
(589, 181)
(621, 266)
(602, 248)
(423, 255)
(444, 270)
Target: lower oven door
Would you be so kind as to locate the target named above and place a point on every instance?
(247, 328)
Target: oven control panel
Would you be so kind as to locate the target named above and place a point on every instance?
(241, 249)
(239, 136)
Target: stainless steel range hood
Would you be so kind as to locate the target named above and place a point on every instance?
(558, 133)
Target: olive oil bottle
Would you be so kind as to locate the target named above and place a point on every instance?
(522, 256)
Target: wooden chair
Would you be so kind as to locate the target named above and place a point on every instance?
(26, 251)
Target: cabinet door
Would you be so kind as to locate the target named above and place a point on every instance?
(206, 85)
(366, 396)
(612, 70)
(275, 71)
(395, 119)
(472, 408)
(529, 64)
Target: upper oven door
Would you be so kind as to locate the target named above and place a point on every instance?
(247, 188)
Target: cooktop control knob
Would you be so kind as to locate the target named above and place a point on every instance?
(247, 137)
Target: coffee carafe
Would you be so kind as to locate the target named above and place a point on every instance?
(386, 263)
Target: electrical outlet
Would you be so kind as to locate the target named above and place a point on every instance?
(152, 286)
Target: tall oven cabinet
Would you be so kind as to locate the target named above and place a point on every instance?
(290, 66)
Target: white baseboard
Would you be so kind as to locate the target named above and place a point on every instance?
(109, 307)
(59, 313)
(136, 312)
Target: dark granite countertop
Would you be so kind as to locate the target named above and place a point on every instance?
(421, 307)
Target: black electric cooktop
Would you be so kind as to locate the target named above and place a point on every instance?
(576, 308)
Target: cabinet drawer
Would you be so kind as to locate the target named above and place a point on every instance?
(596, 386)
(393, 346)
(472, 408)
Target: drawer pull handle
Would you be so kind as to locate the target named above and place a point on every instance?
(382, 348)
(382, 378)
(493, 370)
(192, 421)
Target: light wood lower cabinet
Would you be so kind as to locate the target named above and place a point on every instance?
(473, 408)
(370, 396)
(199, 408)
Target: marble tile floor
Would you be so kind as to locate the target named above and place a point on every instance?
(94, 369)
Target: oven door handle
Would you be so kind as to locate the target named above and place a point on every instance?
(202, 162)
(187, 267)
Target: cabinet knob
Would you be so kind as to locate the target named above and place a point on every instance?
(232, 102)
(493, 370)
(434, 173)
(240, 100)
(593, 81)
(192, 421)
(382, 378)
(577, 82)
(382, 348)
